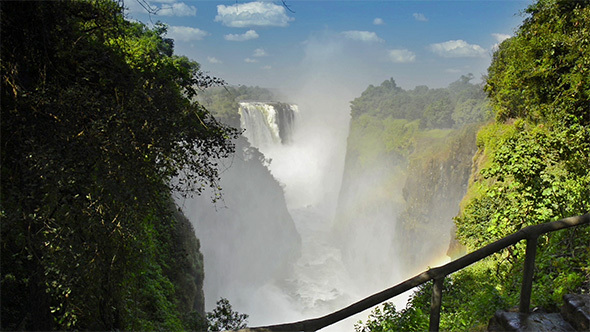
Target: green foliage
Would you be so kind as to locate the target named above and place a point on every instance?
(534, 175)
(542, 73)
(97, 119)
(534, 169)
(469, 299)
(223, 317)
(389, 124)
(532, 166)
(459, 104)
(223, 101)
(387, 319)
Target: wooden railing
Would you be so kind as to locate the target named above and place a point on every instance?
(530, 234)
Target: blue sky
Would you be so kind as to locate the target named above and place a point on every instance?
(344, 43)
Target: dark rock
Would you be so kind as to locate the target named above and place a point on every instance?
(576, 310)
(538, 322)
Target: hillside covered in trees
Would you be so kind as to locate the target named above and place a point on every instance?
(101, 122)
(407, 167)
(532, 166)
(97, 121)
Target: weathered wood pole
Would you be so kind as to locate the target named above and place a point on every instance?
(527, 278)
(435, 304)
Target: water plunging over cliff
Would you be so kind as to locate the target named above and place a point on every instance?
(268, 123)
(307, 155)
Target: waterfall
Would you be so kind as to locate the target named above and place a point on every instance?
(268, 123)
(270, 248)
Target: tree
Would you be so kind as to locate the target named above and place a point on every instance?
(223, 317)
(97, 120)
(532, 163)
(531, 167)
(543, 72)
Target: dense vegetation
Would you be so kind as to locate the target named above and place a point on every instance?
(97, 120)
(452, 107)
(253, 216)
(532, 166)
(223, 101)
(387, 120)
(408, 160)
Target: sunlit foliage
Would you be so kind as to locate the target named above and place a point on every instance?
(460, 103)
(97, 119)
(532, 166)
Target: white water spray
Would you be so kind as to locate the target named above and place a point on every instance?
(310, 168)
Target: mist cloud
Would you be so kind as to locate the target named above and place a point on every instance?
(248, 35)
(364, 36)
(458, 49)
(500, 37)
(186, 34)
(401, 56)
(420, 17)
(252, 14)
(213, 60)
(177, 9)
(259, 52)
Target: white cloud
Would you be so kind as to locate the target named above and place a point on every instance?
(248, 60)
(378, 21)
(259, 52)
(364, 36)
(420, 17)
(267, 67)
(500, 37)
(253, 14)
(453, 71)
(186, 33)
(457, 49)
(213, 60)
(401, 56)
(248, 35)
(177, 9)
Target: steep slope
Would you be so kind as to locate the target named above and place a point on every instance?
(436, 181)
(186, 268)
(248, 237)
(531, 167)
(97, 116)
(407, 166)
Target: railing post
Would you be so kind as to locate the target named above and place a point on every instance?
(527, 278)
(435, 304)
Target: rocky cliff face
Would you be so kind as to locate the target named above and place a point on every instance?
(396, 212)
(436, 181)
(368, 206)
(186, 269)
(248, 238)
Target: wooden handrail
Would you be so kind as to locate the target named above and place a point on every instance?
(530, 233)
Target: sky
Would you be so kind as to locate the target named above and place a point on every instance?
(285, 45)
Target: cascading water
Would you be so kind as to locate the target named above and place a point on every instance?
(310, 168)
(274, 265)
(267, 123)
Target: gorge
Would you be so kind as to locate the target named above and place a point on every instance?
(301, 206)
(283, 246)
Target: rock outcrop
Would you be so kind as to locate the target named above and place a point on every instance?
(574, 316)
